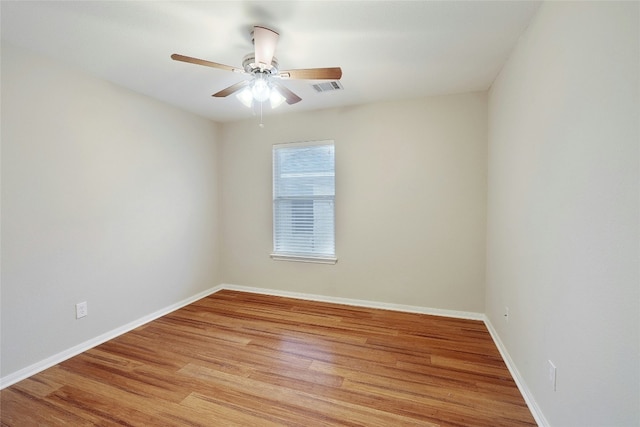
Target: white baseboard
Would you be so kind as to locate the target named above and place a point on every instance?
(33, 369)
(359, 303)
(522, 386)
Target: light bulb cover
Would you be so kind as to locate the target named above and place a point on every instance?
(260, 88)
(246, 97)
(276, 98)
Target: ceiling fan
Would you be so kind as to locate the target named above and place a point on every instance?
(262, 66)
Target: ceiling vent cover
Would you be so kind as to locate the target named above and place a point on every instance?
(328, 86)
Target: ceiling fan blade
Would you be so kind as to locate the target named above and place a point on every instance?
(264, 41)
(178, 57)
(232, 89)
(333, 73)
(289, 96)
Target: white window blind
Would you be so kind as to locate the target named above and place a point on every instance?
(303, 201)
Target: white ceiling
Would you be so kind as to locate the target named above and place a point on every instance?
(387, 49)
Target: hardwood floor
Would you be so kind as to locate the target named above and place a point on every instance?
(242, 359)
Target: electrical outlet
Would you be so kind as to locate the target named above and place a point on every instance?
(552, 371)
(81, 309)
(506, 314)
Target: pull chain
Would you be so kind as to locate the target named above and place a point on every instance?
(261, 124)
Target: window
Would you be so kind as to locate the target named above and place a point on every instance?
(303, 202)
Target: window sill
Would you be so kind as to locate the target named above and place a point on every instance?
(302, 258)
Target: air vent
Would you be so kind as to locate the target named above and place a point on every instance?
(328, 86)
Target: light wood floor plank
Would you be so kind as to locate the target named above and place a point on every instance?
(242, 359)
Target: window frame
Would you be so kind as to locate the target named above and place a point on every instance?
(301, 257)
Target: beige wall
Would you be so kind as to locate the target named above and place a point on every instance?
(108, 197)
(563, 211)
(410, 202)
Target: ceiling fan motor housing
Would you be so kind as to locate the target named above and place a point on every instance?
(251, 66)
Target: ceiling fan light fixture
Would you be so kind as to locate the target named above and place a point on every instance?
(260, 90)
